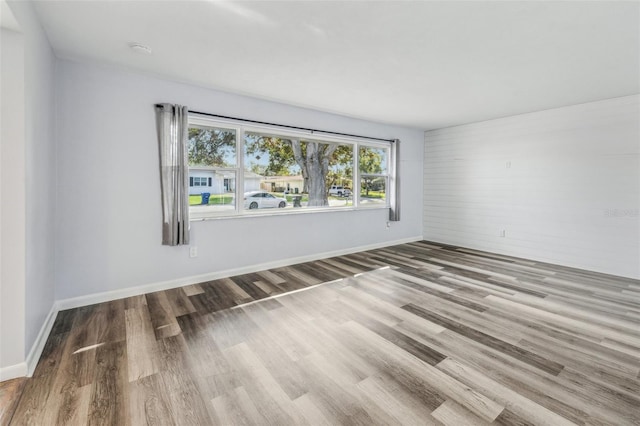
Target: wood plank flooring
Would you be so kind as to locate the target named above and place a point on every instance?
(418, 333)
(10, 391)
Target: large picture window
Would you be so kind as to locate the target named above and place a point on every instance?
(241, 170)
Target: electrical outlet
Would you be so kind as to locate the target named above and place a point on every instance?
(193, 251)
(508, 165)
(503, 233)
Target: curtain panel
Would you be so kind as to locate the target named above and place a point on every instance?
(394, 185)
(172, 126)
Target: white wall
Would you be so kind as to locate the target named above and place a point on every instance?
(12, 206)
(109, 232)
(31, 177)
(570, 196)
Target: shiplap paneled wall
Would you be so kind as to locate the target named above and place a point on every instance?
(563, 185)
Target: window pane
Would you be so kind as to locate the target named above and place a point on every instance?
(373, 160)
(298, 172)
(373, 190)
(340, 177)
(219, 197)
(212, 147)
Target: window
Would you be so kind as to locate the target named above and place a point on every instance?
(298, 171)
(374, 175)
(213, 166)
(199, 181)
(250, 170)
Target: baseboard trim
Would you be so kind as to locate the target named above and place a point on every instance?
(91, 299)
(38, 346)
(27, 367)
(13, 371)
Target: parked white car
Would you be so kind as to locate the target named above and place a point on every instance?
(339, 191)
(262, 200)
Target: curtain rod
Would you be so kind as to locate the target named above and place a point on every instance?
(286, 126)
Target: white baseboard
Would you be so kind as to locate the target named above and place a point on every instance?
(27, 367)
(107, 296)
(36, 350)
(13, 371)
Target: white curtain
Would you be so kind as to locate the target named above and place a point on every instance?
(172, 123)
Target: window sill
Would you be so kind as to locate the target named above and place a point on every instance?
(275, 212)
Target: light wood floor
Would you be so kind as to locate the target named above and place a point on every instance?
(418, 333)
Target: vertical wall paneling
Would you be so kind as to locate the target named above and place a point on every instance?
(560, 186)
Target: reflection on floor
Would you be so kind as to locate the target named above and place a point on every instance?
(417, 333)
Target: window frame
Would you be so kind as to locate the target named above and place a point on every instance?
(386, 176)
(241, 128)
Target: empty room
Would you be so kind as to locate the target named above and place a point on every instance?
(319, 212)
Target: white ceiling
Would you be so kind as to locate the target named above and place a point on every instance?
(7, 20)
(419, 64)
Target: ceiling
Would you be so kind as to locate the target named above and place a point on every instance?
(7, 20)
(419, 64)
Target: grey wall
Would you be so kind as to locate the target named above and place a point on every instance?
(570, 195)
(41, 172)
(32, 182)
(12, 206)
(109, 230)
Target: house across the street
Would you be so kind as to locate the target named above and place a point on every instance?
(203, 179)
(292, 184)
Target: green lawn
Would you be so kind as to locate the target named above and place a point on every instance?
(195, 200)
(289, 197)
(373, 194)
